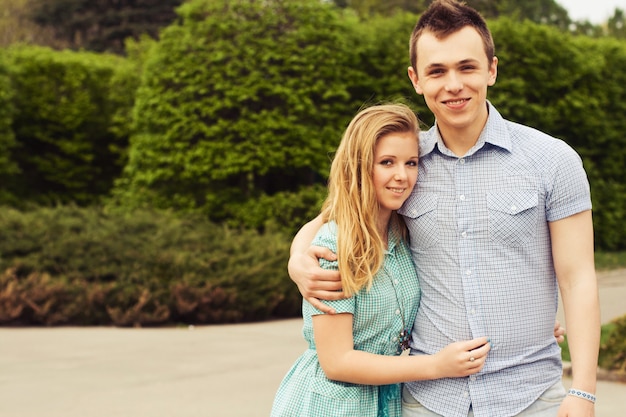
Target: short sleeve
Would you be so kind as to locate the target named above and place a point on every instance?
(568, 187)
(327, 237)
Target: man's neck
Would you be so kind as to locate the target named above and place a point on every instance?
(459, 141)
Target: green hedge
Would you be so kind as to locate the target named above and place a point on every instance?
(8, 167)
(613, 348)
(72, 123)
(241, 103)
(240, 100)
(87, 266)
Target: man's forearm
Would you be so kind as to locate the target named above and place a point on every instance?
(305, 235)
(582, 317)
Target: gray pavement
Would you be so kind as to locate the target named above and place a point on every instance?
(214, 371)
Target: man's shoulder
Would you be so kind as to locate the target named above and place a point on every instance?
(528, 137)
(428, 140)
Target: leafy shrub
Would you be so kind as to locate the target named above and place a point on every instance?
(240, 101)
(70, 265)
(8, 167)
(71, 123)
(613, 350)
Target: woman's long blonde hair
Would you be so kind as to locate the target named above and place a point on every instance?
(352, 201)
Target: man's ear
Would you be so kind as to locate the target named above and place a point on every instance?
(414, 80)
(493, 71)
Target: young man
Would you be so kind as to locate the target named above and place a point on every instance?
(501, 213)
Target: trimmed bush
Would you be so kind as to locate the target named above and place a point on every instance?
(8, 167)
(241, 101)
(71, 265)
(613, 350)
(72, 123)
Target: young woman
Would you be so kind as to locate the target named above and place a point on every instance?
(354, 366)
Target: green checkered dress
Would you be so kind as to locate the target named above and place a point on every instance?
(305, 391)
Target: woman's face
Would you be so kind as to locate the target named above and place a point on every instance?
(395, 169)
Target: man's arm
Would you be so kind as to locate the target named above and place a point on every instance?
(572, 250)
(314, 282)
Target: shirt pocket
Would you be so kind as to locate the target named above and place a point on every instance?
(420, 215)
(513, 217)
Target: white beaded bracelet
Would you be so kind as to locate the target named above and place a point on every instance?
(582, 394)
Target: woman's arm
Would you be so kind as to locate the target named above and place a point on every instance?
(335, 348)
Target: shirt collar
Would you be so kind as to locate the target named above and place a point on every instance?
(495, 133)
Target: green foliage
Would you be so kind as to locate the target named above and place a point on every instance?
(240, 100)
(613, 348)
(610, 260)
(8, 167)
(539, 11)
(284, 210)
(16, 26)
(384, 54)
(102, 25)
(72, 123)
(570, 88)
(88, 266)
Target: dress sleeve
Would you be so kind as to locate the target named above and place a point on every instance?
(327, 237)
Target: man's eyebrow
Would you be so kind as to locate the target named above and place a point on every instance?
(468, 61)
(435, 65)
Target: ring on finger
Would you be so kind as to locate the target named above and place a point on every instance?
(472, 359)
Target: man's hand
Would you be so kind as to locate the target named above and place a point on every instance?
(576, 407)
(314, 282)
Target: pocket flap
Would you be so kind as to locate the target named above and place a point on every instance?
(512, 202)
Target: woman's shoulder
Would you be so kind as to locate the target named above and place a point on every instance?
(327, 236)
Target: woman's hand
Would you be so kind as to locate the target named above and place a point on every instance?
(559, 332)
(460, 359)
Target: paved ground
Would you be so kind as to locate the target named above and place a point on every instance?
(208, 371)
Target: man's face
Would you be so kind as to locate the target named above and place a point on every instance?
(453, 74)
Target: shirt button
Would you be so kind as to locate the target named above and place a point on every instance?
(395, 339)
(463, 234)
(413, 212)
(473, 311)
(473, 378)
(461, 161)
(466, 394)
(462, 197)
(395, 281)
(397, 312)
(468, 272)
(513, 208)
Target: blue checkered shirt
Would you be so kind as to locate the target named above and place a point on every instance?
(481, 245)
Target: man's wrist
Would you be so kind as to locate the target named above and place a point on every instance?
(582, 394)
